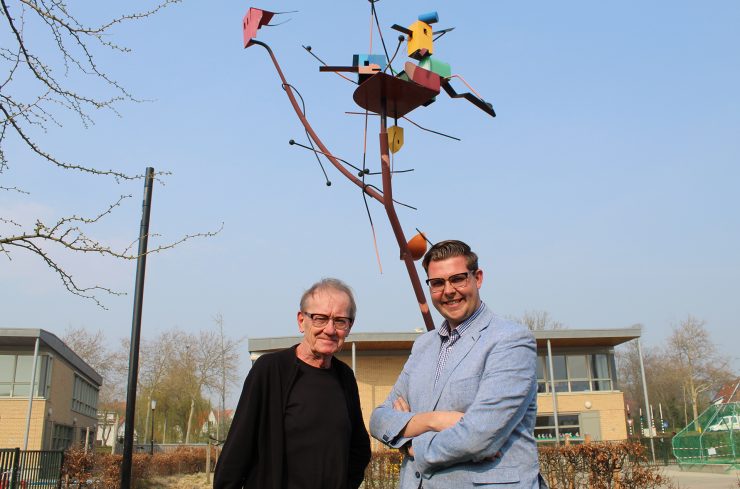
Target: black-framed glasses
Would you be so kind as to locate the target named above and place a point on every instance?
(322, 320)
(457, 281)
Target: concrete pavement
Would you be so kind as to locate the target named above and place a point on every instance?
(702, 480)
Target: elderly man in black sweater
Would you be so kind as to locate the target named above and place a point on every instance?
(298, 424)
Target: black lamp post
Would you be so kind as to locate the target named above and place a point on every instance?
(151, 438)
(133, 361)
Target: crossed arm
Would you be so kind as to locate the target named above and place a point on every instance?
(423, 422)
(430, 421)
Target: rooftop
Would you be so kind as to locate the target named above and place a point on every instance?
(403, 341)
(26, 337)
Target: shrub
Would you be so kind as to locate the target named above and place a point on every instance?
(620, 465)
(606, 465)
(105, 468)
(383, 470)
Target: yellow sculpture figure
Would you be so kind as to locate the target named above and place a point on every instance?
(395, 138)
(420, 43)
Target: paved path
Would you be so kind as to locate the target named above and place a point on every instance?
(702, 480)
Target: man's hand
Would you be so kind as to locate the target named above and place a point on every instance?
(493, 457)
(429, 421)
(400, 404)
(407, 449)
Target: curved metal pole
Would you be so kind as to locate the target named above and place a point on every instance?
(396, 225)
(386, 198)
(352, 178)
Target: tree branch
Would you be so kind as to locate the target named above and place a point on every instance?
(68, 233)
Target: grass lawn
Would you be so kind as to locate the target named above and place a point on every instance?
(186, 481)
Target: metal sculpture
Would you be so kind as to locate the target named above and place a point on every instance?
(387, 95)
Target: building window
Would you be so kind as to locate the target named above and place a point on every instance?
(600, 372)
(541, 368)
(568, 423)
(578, 374)
(63, 436)
(15, 375)
(84, 397)
(574, 373)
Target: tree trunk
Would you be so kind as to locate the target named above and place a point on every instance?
(115, 436)
(190, 420)
(146, 423)
(105, 430)
(694, 400)
(685, 409)
(695, 409)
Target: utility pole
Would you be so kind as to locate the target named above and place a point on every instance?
(133, 360)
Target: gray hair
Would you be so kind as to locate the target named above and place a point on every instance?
(333, 284)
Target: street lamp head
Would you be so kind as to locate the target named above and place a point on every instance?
(154, 404)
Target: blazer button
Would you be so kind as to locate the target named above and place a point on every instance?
(418, 475)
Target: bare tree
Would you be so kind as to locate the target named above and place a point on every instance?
(539, 320)
(177, 369)
(156, 360)
(701, 366)
(686, 370)
(199, 361)
(661, 374)
(94, 349)
(47, 52)
(228, 360)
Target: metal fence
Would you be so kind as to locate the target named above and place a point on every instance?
(164, 447)
(711, 439)
(20, 469)
(663, 449)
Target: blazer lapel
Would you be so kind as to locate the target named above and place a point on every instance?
(427, 370)
(458, 353)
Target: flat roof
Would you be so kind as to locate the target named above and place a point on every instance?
(14, 337)
(363, 341)
(587, 337)
(403, 341)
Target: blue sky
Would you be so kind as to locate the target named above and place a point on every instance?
(605, 192)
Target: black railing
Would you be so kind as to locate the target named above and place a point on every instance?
(21, 469)
(663, 449)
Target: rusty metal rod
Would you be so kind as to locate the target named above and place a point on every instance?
(371, 192)
(386, 198)
(396, 225)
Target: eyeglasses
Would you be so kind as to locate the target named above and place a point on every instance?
(322, 320)
(457, 281)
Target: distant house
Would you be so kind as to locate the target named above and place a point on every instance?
(63, 394)
(216, 418)
(111, 425)
(583, 376)
(728, 393)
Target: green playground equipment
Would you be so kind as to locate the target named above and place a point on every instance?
(712, 438)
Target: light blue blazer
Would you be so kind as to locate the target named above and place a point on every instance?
(490, 375)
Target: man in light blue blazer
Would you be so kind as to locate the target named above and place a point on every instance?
(463, 409)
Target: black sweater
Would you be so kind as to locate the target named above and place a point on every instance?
(252, 457)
